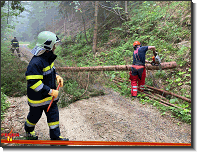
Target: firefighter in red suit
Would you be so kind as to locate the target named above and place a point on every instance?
(138, 70)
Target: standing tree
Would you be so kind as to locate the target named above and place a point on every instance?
(84, 27)
(95, 28)
(9, 10)
(126, 12)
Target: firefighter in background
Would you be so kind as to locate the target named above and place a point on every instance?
(15, 46)
(138, 70)
(41, 86)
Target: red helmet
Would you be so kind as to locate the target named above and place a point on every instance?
(136, 43)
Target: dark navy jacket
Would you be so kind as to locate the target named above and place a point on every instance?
(41, 77)
(15, 43)
(139, 55)
(139, 61)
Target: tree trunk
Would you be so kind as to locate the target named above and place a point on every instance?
(8, 12)
(125, 6)
(84, 26)
(64, 25)
(126, 12)
(164, 65)
(95, 28)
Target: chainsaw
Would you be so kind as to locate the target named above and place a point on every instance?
(156, 61)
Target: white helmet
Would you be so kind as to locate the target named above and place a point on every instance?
(46, 40)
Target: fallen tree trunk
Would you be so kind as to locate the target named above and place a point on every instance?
(168, 102)
(160, 98)
(169, 93)
(164, 102)
(165, 65)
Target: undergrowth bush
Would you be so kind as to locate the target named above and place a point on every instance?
(13, 80)
(78, 86)
(32, 44)
(4, 103)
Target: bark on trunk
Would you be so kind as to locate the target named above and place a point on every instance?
(64, 25)
(8, 12)
(84, 28)
(126, 13)
(95, 28)
(165, 65)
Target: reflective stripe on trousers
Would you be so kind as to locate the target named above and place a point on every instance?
(43, 102)
(135, 81)
(29, 124)
(53, 125)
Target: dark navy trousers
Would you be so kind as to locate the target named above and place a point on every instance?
(35, 114)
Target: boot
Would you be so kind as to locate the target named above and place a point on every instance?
(31, 136)
(63, 139)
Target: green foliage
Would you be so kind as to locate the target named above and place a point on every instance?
(181, 52)
(72, 92)
(15, 8)
(12, 79)
(71, 87)
(4, 103)
(32, 44)
(103, 37)
(15, 5)
(182, 114)
(160, 74)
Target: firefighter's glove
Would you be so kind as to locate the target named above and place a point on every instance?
(59, 80)
(53, 93)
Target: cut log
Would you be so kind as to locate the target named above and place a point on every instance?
(165, 65)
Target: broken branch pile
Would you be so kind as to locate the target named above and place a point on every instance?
(156, 94)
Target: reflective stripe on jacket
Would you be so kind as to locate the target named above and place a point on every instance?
(15, 43)
(41, 77)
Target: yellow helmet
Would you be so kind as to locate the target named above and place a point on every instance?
(46, 40)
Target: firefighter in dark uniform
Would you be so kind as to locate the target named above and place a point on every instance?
(41, 86)
(138, 70)
(15, 46)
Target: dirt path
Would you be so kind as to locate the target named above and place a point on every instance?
(111, 117)
(25, 52)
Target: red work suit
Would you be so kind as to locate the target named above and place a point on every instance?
(138, 71)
